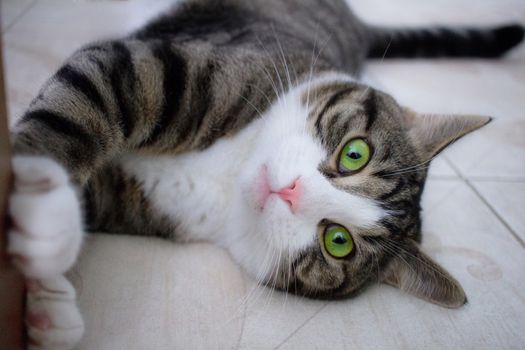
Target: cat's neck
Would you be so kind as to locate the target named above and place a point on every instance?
(194, 189)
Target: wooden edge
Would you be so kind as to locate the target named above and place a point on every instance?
(12, 292)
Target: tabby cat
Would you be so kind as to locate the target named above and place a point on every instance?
(241, 123)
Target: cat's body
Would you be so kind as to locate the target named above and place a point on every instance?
(238, 122)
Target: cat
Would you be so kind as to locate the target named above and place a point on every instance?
(242, 123)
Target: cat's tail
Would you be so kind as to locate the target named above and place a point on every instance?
(444, 42)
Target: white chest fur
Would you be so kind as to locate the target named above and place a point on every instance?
(195, 189)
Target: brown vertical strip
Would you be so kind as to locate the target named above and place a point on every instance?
(11, 283)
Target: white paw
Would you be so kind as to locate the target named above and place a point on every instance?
(46, 231)
(52, 317)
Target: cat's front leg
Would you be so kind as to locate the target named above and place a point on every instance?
(44, 242)
(52, 319)
(46, 231)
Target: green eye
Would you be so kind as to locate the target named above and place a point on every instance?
(337, 241)
(354, 156)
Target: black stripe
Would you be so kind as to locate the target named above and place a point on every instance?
(308, 266)
(333, 121)
(506, 37)
(72, 78)
(342, 288)
(413, 230)
(412, 180)
(370, 106)
(454, 42)
(58, 124)
(174, 86)
(201, 101)
(123, 78)
(403, 208)
(386, 155)
(90, 209)
(98, 62)
(94, 53)
(330, 103)
(239, 37)
(399, 186)
(391, 227)
(234, 116)
(385, 174)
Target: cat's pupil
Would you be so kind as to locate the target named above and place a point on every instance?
(354, 155)
(339, 240)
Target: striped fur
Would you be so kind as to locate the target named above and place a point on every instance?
(205, 72)
(445, 42)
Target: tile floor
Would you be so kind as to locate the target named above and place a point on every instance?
(474, 205)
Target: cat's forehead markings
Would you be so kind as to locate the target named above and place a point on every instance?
(323, 91)
(327, 80)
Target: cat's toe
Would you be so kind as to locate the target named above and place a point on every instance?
(45, 212)
(52, 317)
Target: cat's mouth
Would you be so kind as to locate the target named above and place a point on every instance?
(290, 194)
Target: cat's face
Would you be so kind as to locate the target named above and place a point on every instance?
(331, 193)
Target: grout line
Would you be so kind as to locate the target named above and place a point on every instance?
(301, 326)
(518, 238)
(489, 206)
(20, 15)
(454, 168)
(496, 179)
(443, 178)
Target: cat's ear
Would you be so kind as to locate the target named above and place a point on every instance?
(414, 272)
(431, 133)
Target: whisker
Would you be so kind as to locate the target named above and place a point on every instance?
(270, 79)
(262, 92)
(382, 59)
(283, 58)
(313, 62)
(430, 266)
(422, 168)
(392, 251)
(411, 167)
(273, 64)
(251, 104)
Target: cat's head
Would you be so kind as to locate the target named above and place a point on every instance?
(331, 193)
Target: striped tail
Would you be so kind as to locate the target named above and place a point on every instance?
(444, 42)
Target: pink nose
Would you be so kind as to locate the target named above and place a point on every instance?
(292, 194)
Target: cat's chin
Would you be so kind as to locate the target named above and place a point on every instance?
(275, 208)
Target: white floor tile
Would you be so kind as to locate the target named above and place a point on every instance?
(508, 200)
(12, 10)
(153, 294)
(495, 151)
(440, 168)
(493, 88)
(51, 30)
(424, 13)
